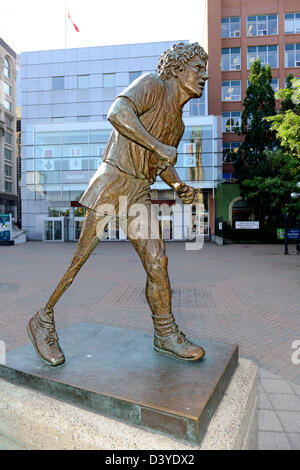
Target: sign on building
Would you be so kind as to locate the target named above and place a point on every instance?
(5, 227)
(249, 225)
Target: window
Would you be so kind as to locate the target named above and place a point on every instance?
(7, 88)
(8, 154)
(58, 83)
(109, 80)
(275, 84)
(7, 105)
(83, 81)
(8, 187)
(197, 105)
(230, 120)
(231, 90)
(228, 176)
(231, 58)
(8, 170)
(133, 76)
(8, 138)
(262, 25)
(228, 148)
(83, 118)
(267, 55)
(231, 27)
(7, 68)
(292, 55)
(292, 23)
(9, 121)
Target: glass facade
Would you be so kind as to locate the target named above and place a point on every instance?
(64, 161)
(65, 128)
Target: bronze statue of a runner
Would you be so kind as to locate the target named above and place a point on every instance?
(148, 126)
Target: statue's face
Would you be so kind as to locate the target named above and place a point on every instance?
(193, 78)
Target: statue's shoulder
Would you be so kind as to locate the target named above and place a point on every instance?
(149, 79)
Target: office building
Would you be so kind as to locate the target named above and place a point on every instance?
(237, 32)
(65, 97)
(8, 165)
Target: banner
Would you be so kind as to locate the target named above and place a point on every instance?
(5, 227)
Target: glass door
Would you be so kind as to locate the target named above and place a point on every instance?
(53, 229)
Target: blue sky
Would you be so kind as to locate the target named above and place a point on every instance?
(28, 25)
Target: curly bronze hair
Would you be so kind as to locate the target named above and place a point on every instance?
(176, 58)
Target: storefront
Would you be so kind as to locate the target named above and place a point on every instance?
(62, 158)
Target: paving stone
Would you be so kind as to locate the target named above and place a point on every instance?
(295, 440)
(285, 401)
(273, 441)
(264, 402)
(268, 421)
(276, 386)
(290, 420)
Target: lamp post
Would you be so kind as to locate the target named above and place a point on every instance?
(294, 196)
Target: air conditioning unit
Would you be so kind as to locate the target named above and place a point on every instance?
(235, 67)
(263, 32)
(235, 34)
(297, 63)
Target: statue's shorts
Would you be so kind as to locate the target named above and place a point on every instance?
(113, 194)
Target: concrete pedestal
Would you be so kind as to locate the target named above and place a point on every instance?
(116, 373)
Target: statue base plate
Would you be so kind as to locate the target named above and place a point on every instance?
(116, 372)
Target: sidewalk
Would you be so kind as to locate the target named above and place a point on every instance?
(244, 294)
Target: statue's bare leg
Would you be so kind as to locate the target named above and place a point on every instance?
(167, 337)
(41, 328)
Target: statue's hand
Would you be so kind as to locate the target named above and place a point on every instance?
(185, 192)
(166, 156)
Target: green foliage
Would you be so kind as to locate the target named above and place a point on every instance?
(287, 123)
(272, 194)
(267, 174)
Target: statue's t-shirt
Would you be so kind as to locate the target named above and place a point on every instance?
(158, 111)
(156, 107)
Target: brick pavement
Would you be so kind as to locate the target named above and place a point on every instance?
(245, 294)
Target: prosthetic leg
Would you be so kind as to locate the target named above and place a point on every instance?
(41, 328)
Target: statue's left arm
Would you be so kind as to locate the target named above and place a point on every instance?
(184, 191)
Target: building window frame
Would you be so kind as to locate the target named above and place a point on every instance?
(261, 25)
(294, 19)
(234, 58)
(83, 81)
(108, 80)
(230, 120)
(294, 53)
(7, 68)
(58, 83)
(8, 170)
(264, 53)
(231, 90)
(229, 148)
(231, 27)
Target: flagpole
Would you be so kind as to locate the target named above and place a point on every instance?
(65, 24)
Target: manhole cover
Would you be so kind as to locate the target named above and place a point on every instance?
(8, 286)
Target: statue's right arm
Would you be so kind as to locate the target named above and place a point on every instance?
(122, 115)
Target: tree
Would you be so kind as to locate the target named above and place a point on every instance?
(286, 124)
(251, 160)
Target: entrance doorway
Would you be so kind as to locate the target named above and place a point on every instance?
(55, 229)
